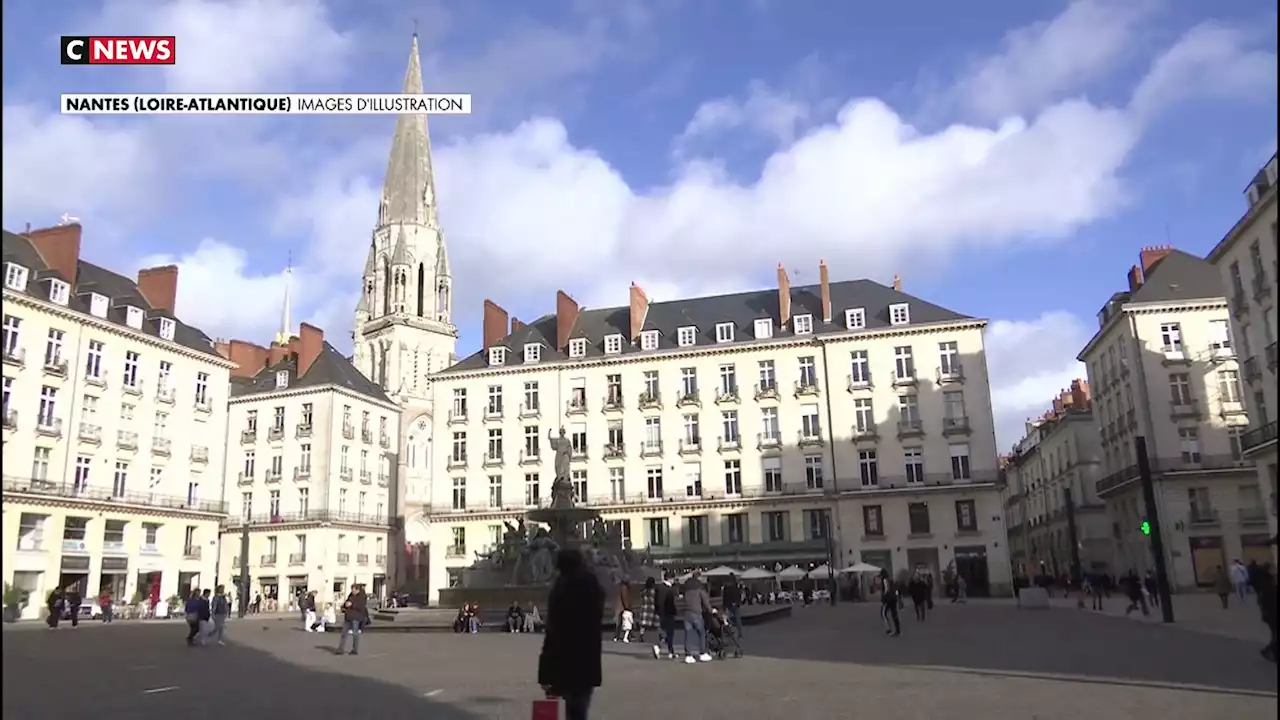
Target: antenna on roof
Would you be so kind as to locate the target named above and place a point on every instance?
(28, 227)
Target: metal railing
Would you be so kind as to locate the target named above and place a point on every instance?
(50, 488)
(309, 516)
(1258, 436)
(1160, 466)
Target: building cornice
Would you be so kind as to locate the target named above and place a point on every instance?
(124, 508)
(1244, 223)
(296, 392)
(25, 300)
(1151, 308)
(728, 349)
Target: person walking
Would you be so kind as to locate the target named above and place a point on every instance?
(309, 618)
(192, 616)
(56, 604)
(1240, 579)
(74, 601)
(648, 617)
(622, 604)
(664, 605)
(355, 615)
(569, 665)
(1222, 585)
(1264, 587)
(220, 609)
(696, 603)
(890, 603)
(731, 596)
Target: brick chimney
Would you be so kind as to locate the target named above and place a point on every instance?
(516, 325)
(1080, 397)
(1152, 255)
(784, 297)
(897, 282)
(310, 345)
(493, 325)
(60, 248)
(249, 358)
(566, 317)
(159, 285)
(639, 311)
(1135, 278)
(824, 281)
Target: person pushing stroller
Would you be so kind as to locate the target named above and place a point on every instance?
(722, 636)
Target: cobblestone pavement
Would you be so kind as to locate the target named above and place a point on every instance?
(964, 662)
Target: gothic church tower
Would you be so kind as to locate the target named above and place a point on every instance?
(404, 327)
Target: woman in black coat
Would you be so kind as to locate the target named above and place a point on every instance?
(569, 665)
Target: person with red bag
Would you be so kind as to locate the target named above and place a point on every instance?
(569, 666)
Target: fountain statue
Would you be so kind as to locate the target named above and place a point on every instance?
(523, 565)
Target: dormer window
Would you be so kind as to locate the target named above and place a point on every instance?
(133, 317)
(899, 314)
(764, 328)
(803, 324)
(649, 340)
(724, 332)
(533, 352)
(15, 277)
(612, 344)
(282, 379)
(59, 292)
(98, 305)
(497, 356)
(167, 326)
(855, 319)
(687, 336)
(578, 348)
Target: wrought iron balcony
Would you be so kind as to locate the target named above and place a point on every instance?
(15, 356)
(309, 516)
(55, 366)
(806, 388)
(90, 433)
(952, 374)
(650, 401)
(49, 488)
(1166, 466)
(958, 425)
(248, 437)
(49, 427)
(766, 391)
(689, 399)
(1257, 437)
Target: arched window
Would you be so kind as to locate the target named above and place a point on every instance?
(386, 286)
(442, 301)
(422, 291)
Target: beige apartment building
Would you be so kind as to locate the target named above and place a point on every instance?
(1163, 366)
(114, 421)
(842, 422)
(1246, 262)
(311, 470)
(1059, 457)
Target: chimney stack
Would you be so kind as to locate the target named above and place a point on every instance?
(1152, 255)
(159, 285)
(639, 311)
(1135, 278)
(897, 282)
(566, 317)
(516, 325)
(824, 280)
(784, 297)
(1080, 397)
(249, 358)
(60, 248)
(310, 345)
(493, 325)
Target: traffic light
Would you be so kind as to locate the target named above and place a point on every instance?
(1145, 528)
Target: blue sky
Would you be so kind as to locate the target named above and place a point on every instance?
(1008, 159)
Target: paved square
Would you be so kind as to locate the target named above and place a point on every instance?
(979, 660)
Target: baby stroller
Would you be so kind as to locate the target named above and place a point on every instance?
(722, 637)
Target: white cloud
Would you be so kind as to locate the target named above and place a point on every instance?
(237, 45)
(1029, 362)
(1050, 60)
(1211, 60)
(766, 111)
(55, 164)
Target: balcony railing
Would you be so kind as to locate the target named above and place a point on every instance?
(908, 428)
(727, 397)
(955, 425)
(49, 488)
(1252, 516)
(768, 441)
(162, 447)
(164, 395)
(133, 388)
(348, 431)
(344, 558)
(268, 560)
(302, 474)
(729, 444)
(55, 366)
(302, 430)
(1252, 369)
(299, 558)
(126, 439)
(766, 390)
(651, 448)
(362, 558)
(275, 434)
(615, 450)
(575, 406)
(379, 559)
(612, 402)
(1258, 437)
(727, 551)
(10, 419)
(1261, 288)
(1270, 354)
(1203, 516)
(384, 440)
(15, 356)
(953, 373)
(530, 411)
(1162, 466)
(650, 401)
(690, 446)
(809, 438)
(806, 388)
(90, 433)
(199, 454)
(49, 427)
(688, 399)
(457, 416)
(310, 516)
(191, 552)
(942, 479)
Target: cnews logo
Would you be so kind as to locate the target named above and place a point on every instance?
(118, 50)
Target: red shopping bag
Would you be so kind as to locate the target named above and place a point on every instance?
(548, 709)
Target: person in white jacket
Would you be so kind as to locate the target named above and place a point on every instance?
(1240, 579)
(309, 612)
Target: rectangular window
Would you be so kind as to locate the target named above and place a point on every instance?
(772, 470)
(733, 478)
(653, 477)
(777, 526)
(913, 459)
(1171, 337)
(871, 521)
(532, 490)
(658, 536)
(735, 529)
(459, 493)
(763, 328)
(860, 369)
(904, 364)
(693, 481)
(724, 332)
(696, 530)
(869, 468)
(649, 340)
(813, 479)
(768, 379)
(687, 336)
(918, 518)
(966, 515)
(855, 319)
(803, 324)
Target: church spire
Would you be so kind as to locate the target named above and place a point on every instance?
(408, 189)
(286, 322)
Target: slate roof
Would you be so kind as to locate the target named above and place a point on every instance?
(330, 368)
(1179, 276)
(741, 309)
(90, 278)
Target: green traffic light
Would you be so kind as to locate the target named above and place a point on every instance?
(1145, 527)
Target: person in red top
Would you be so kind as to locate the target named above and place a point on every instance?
(107, 604)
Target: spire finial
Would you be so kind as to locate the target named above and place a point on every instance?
(286, 321)
(415, 28)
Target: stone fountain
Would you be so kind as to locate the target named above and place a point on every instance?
(522, 568)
